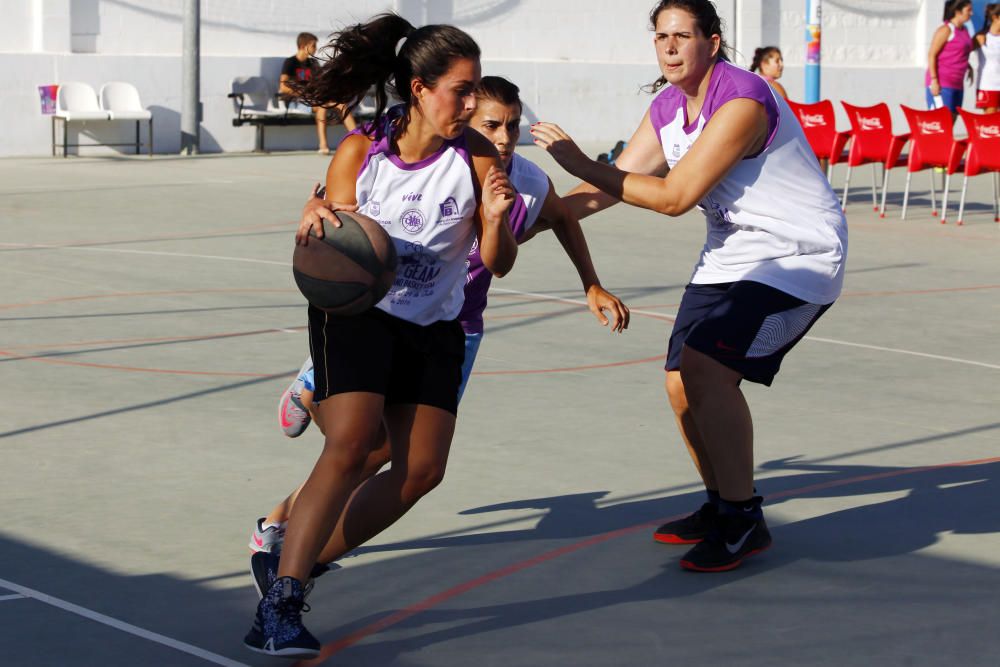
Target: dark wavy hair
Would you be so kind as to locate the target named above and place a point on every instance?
(363, 57)
(500, 90)
(953, 7)
(762, 54)
(707, 18)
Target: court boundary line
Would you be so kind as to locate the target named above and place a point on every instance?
(832, 341)
(13, 596)
(330, 649)
(142, 633)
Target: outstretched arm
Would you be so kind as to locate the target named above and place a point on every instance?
(737, 129)
(497, 247)
(556, 215)
(642, 155)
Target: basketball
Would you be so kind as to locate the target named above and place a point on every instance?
(350, 269)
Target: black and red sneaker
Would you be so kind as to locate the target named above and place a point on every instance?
(692, 529)
(734, 539)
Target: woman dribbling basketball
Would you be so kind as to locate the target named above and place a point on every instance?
(402, 360)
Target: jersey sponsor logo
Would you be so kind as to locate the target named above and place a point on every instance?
(812, 120)
(413, 196)
(449, 207)
(989, 131)
(412, 220)
(932, 127)
(873, 123)
(450, 213)
(374, 208)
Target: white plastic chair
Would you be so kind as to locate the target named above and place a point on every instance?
(121, 101)
(75, 101)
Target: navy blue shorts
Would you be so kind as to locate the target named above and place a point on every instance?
(745, 326)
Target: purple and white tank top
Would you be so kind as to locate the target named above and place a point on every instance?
(427, 208)
(532, 187)
(774, 218)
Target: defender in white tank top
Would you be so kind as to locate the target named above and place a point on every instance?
(776, 221)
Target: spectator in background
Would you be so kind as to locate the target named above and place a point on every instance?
(948, 58)
(767, 60)
(296, 72)
(988, 41)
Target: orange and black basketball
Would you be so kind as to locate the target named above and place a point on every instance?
(350, 269)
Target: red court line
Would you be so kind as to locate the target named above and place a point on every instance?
(164, 339)
(136, 369)
(395, 618)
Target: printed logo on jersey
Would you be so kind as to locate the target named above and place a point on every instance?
(416, 276)
(989, 131)
(474, 250)
(413, 196)
(374, 208)
(450, 213)
(412, 220)
(676, 151)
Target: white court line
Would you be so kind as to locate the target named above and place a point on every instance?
(832, 341)
(15, 596)
(151, 252)
(121, 625)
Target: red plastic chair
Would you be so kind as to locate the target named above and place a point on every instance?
(820, 126)
(932, 144)
(872, 142)
(983, 157)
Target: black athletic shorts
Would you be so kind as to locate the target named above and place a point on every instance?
(745, 326)
(383, 354)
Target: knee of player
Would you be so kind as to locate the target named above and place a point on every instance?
(675, 391)
(346, 453)
(421, 479)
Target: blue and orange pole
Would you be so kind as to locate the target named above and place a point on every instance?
(814, 30)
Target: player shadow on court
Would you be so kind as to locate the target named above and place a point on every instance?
(930, 502)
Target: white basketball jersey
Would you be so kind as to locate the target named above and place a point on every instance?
(427, 208)
(532, 185)
(774, 218)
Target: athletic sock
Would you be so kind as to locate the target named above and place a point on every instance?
(748, 509)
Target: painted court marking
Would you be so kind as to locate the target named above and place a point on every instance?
(121, 625)
(347, 641)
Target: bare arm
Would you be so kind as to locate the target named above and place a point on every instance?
(556, 215)
(938, 41)
(642, 155)
(341, 189)
(497, 247)
(737, 129)
(283, 88)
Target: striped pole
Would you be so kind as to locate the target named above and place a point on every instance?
(814, 29)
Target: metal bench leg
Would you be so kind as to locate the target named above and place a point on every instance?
(136, 137)
(906, 194)
(875, 186)
(847, 184)
(933, 197)
(996, 196)
(961, 202)
(53, 136)
(150, 137)
(259, 143)
(885, 189)
(65, 136)
(944, 198)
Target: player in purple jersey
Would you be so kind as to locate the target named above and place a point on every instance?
(398, 364)
(719, 138)
(498, 118)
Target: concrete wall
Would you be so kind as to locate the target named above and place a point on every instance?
(578, 63)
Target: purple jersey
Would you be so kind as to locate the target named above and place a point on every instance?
(532, 186)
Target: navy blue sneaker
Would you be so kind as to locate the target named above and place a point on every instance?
(692, 529)
(733, 539)
(277, 627)
(264, 571)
